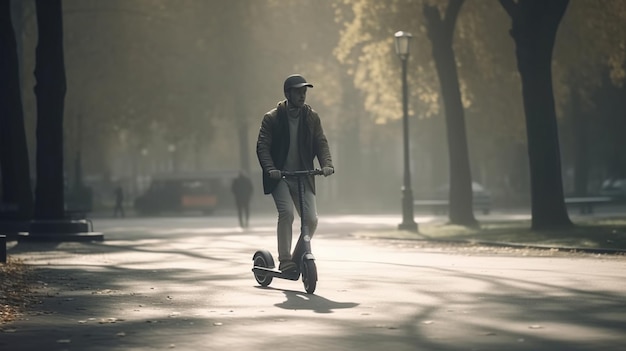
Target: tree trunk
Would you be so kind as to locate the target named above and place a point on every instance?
(581, 145)
(534, 27)
(50, 91)
(441, 31)
(14, 165)
(244, 145)
(349, 150)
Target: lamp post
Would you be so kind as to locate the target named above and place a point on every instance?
(402, 50)
(172, 149)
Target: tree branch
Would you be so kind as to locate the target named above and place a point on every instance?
(510, 7)
(452, 12)
(432, 13)
(433, 20)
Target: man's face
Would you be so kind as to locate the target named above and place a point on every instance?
(296, 96)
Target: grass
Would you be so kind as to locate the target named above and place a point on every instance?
(606, 234)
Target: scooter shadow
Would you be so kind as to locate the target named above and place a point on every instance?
(297, 300)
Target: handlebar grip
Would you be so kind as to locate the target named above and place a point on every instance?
(302, 173)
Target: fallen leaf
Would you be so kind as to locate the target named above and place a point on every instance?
(108, 320)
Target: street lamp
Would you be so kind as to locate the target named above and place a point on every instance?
(172, 149)
(402, 50)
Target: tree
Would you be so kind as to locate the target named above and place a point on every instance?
(50, 91)
(534, 28)
(588, 65)
(14, 166)
(610, 102)
(365, 36)
(440, 31)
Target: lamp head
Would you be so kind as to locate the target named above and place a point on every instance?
(402, 44)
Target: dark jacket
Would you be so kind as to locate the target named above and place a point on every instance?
(273, 143)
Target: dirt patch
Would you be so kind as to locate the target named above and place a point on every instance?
(16, 293)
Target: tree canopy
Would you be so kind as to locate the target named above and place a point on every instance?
(144, 75)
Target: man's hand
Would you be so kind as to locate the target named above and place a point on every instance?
(328, 171)
(275, 174)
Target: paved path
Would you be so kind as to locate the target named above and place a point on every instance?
(186, 284)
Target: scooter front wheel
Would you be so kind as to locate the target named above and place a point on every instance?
(309, 275)
(263, 258)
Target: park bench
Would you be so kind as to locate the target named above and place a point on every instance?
(441, 206)
(3, 249)
(436, 206)
(586, 203)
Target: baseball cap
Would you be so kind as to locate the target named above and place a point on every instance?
(296, 81)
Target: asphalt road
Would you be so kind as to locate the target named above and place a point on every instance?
(186, 284)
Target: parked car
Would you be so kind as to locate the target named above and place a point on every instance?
(614, 188)
(179, 194)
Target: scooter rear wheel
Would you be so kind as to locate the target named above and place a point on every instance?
(263, 259)
(309, 275)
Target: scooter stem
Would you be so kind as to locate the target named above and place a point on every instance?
(303, 246)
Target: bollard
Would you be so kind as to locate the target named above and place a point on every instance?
(3, 249)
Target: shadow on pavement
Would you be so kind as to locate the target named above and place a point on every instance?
(297, 300)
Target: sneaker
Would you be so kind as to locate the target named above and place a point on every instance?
(287, 266)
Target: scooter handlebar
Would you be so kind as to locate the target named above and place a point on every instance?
(312, 172)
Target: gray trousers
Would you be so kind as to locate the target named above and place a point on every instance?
(286, 198)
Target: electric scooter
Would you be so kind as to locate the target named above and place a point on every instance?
(264, 268)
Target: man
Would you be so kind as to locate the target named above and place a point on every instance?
(290, 137)
(242, 190)
(119, 202)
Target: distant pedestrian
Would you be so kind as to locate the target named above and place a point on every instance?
(242, 190)
(119, 202)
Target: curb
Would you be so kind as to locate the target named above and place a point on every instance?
(548, 247)
(591, 250)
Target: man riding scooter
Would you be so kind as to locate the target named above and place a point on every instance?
(290, 137)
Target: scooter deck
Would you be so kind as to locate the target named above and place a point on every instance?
(291, 275)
